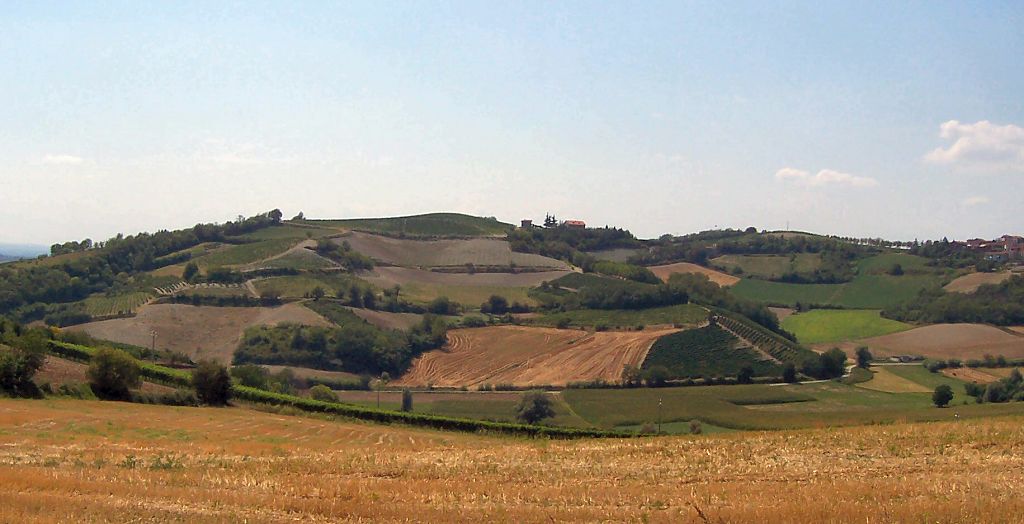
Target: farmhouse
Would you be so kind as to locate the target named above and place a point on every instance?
(1006, 247)
(575, 224)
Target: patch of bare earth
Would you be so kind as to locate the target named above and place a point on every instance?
(943, 341)
(388, 320)
(528, 356)
(666, 271)
(782, 312)
(971, 282)
(201, 332)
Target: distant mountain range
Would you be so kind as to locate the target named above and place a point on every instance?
(9, 252)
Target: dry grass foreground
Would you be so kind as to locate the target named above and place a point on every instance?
(943, 341)
(201, 332)
(666, 271)
(527, 356)
(109, 462)
(970, 282)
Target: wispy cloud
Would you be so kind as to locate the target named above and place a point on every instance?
(824, 177)
(981, 146)
(62, 160)
(975, 200)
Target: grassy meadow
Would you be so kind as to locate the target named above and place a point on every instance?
(838, 325)
(687, 314)
(768, 266)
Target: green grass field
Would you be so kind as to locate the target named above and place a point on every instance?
(626, 318)
(706, 352)
(298, 286)
(768, 266)
(301, 260)
(837, 325)
(756, 407)
(469, 296)
(103, 306)
(433, 224)
(293, 231)
(246, 253)
(493, 406)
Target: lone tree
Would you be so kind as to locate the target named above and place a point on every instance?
(864, 357)
(789, 373)
(943, 394)
(212, 383)
(191, 270)
(406, 400)
(113, 374)
(322, 393)
(533, 407)
(746, 375)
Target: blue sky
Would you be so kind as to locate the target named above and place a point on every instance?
(868, 119)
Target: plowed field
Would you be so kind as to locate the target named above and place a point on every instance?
(666, 271)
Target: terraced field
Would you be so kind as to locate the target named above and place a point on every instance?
(107, 461)
(707, 352)
(445, 253)
(526, 356)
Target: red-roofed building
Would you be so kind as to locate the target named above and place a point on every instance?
(575, 224)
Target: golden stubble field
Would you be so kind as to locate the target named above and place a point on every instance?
(78, 461)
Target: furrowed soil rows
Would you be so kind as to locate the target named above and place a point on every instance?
(525, 356)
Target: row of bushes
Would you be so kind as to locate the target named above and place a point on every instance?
(182, 378)
(988, 361)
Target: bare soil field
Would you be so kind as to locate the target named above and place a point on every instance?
(64, 460)
(782, 312)
(389, 276)
(971, 282)
(58, 371)
(944, 341)
(200, 332)
(526, 356)
(979, 376)
(438, 253)
(666, 271)
(386, 320)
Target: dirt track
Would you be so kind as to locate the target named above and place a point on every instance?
(666, 271)
(963, 341)
(526, 356)
(201, 332)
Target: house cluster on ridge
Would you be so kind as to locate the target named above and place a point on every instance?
(1006, 247)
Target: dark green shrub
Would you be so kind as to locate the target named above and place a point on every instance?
(212, 383)
(533, 407)
(322, 393)
(113, 374)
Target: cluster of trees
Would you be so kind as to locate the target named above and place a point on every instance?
(25, 290)
(1001, 304)
(570, 244)
(70, 247)
(354, 346)
(945, 253)
(701, 290)
(827, 365)
(343, 254)
(1008, 389)
(23, 356)
(627, 271)
(499, 305)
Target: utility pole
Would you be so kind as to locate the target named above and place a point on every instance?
(152, 343)
(659, 416)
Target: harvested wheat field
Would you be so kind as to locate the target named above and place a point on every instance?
(943, 341)
(970, 283)
(527, 356)
(978, 376)
(666, 271)
(390, 276)
(437, 253)
(67, 460)
(201, 332)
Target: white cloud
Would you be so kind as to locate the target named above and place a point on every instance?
(62, 160)
(981, 146)
(975, 200)
(823, 178)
